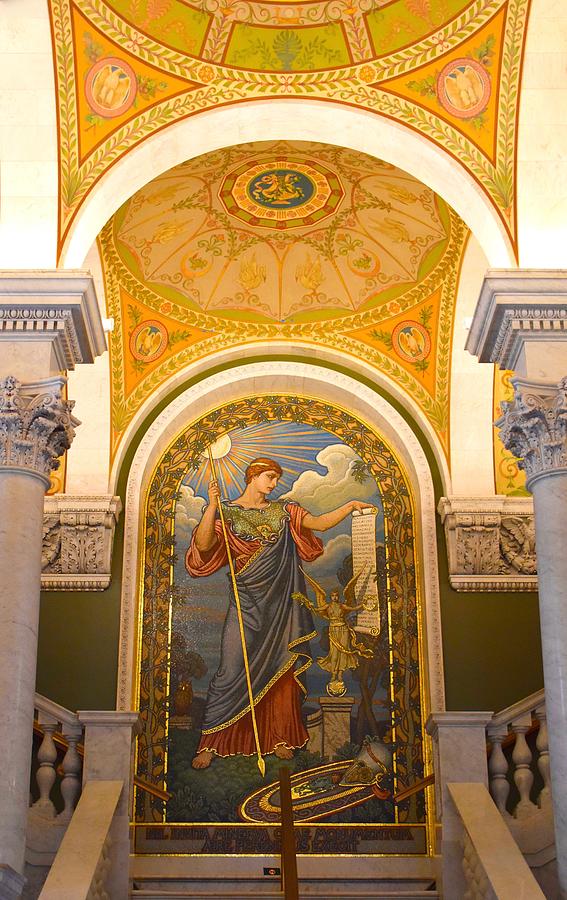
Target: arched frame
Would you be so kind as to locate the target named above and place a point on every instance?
(327, 358)
(298, 120)
(305, 380)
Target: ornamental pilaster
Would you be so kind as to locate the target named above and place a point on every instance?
(533, 427)
(36, 426)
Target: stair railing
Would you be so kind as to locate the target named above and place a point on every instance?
(82, 865)
(60, 730)
(493, 865)
(510, 728)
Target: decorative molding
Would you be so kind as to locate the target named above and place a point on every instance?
(533, 427)
(78, 536)
(490, 543)
(53, 306)
(36, 426)
(518, 306)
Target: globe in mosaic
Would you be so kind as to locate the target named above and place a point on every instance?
(281, 193)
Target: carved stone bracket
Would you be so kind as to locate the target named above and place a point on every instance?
(490, 543)
(78, 536)
(36, 426)
(533, 426)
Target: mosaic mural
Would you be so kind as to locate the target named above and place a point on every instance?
(449, 69)
(290, 242)
(281, 627)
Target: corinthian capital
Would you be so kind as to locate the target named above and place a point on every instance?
(533, 426)
(36, 425)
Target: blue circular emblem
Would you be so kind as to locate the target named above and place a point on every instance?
(281, 189)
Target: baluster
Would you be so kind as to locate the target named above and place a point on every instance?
(47, 756)
(498, 770)
(543, 758)
(71, 765)
(522, 758)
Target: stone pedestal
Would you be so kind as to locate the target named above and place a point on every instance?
(108, 757)
(459, 748)
(336, 723)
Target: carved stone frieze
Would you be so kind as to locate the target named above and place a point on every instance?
(490, 543)
(78, 535)
(533, 427)
(36, 425)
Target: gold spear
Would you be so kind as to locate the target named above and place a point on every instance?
(261, 761)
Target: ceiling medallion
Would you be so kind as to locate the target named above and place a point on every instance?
(463, 88)
(110, 87)
(411, 341)
(281, 193)
(149, 341)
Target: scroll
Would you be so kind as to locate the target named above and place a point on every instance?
(364, 561)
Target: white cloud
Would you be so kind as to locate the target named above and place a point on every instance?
(332, 559)
(188, 512)
(321, 493)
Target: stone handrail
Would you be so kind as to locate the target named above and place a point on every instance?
(493, 864)
(82, 864)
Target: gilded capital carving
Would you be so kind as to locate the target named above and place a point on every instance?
(533, 427)
(36, 425)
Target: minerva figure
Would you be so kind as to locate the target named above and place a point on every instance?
(268, 541)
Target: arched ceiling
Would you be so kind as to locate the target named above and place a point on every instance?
(285, 241)
(448, 69)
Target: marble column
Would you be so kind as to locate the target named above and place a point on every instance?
(534, 428)
(49, 323)
(520, 323)
(36, 426)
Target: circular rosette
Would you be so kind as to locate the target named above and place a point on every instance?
(281, 193)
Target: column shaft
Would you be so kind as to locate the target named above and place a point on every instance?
(21, 503)
(550, 508)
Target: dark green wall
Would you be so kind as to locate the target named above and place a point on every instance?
(491, 641)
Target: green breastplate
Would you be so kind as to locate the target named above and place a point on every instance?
(257, 524)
